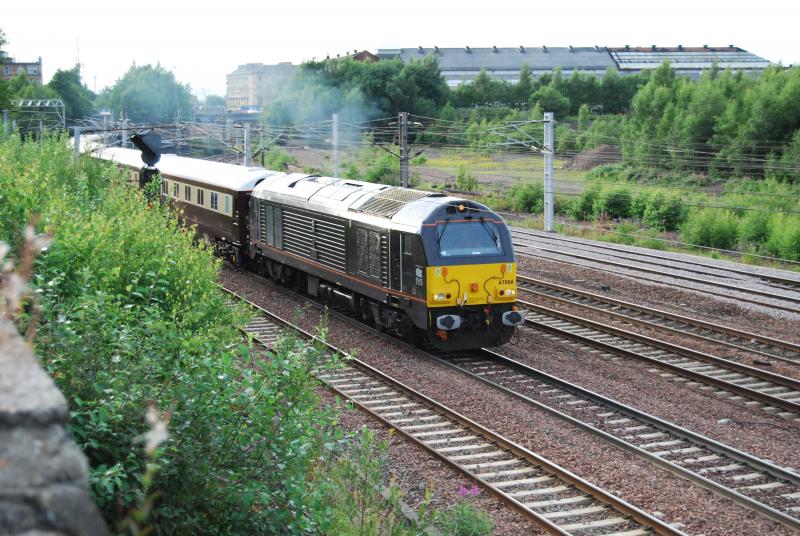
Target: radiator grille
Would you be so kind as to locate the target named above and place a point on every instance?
(315, 239)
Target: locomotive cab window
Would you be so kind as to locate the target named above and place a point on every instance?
(467, 238)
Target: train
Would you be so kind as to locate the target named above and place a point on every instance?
(433, 269)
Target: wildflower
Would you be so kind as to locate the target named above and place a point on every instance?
(462, 490)
(474, 490)
(158, 429)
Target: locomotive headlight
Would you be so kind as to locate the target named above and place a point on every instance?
(439, 297)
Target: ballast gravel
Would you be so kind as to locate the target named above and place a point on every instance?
(609, 467)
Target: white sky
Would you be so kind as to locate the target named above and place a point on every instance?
(202, 41)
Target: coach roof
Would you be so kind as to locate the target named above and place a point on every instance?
(228, 176)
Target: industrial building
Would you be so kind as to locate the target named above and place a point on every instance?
(462, 65)
(253, 85)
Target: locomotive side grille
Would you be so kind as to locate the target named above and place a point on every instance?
(318, 240)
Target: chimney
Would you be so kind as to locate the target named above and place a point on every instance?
(420, 50)
(571, 48)
(494, 49)
(467, 50)
(522, 49)
(544, 48)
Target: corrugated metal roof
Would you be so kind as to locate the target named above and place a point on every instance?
(688, 58)
(460, 63)
(493, 59)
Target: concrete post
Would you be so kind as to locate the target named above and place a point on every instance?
(76, 153)
(403, 122)
(548, 171)
(335, 143)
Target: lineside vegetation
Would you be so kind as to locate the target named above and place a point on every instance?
(130, 316)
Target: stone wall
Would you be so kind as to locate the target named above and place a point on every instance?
(43, 474)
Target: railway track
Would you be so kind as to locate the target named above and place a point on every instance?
(777, 393)
(548, 495)
(733, 290)
(646, 316)
(762, 486)
(691, 265)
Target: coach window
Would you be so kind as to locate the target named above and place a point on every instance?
(174, 189)
(227, 204)
(187, 193)
(164, 187)
(200, 196)
(214, 202)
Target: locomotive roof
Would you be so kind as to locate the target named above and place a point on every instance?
(358, 200)
(228, 176)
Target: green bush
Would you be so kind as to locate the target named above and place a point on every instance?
(754, 228)
(131, 315)
(464, 181)
(528, 198)
(715, 228)
(664, 212)
(277, 159)
(639, 204)
(614, 202)
(384, 170)
(784, 236)
(583, 205)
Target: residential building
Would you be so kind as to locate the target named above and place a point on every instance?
(12, 68)
(252, 85)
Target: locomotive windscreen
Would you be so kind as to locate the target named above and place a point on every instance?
(468, 238)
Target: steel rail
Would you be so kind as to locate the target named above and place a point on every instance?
(753, 394)
(604, 404)
(793, 309)
(746, 341)
(546, 520)
(771, 278)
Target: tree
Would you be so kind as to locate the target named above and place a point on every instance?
(78, 101)
(524, 88)
(215, 100)
(149, 94)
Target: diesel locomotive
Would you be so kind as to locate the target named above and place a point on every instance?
(434, 269)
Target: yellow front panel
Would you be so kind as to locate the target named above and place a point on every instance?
(472, 284)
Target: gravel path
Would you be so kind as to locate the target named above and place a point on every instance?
(643, 485)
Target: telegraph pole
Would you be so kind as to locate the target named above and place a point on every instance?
(248, 159)
(402, 121)
(125, 132)
(335, 143)
(548, 171)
